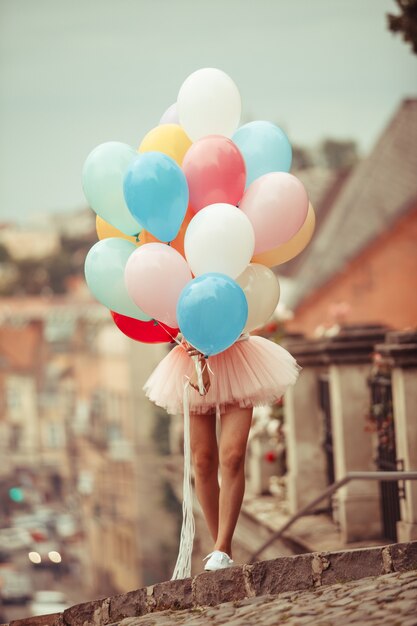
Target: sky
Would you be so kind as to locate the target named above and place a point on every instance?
(77, 73)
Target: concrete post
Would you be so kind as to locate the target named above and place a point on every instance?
(347, 360)
(306, 459)
(400, 350)
(357, 505)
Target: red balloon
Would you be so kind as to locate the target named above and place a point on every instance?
(215, 171)
(146, 332)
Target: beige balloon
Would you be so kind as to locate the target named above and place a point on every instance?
(290, 249)
(261, 289)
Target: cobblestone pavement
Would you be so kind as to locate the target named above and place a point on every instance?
(389, 600)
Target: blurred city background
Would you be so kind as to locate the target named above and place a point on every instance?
(90, 471)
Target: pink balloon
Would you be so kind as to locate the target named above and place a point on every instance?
(215, 172)
(155, 275)
(277, 205)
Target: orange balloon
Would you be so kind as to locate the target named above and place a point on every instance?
(106, 230)
(290, 249)
(178, 242)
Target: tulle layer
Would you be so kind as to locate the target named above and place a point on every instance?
(254, 372)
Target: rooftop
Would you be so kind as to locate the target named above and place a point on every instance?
(381, 189)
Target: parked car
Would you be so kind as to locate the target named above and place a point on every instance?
(48, 554)
(14, 539)
(33, 524)
(66, 526)
(5, 556)
(44, 512)
(15, 587)
(47, 602)
(47, 516)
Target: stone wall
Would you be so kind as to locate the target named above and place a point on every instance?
(302, 572)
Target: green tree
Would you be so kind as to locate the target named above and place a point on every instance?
(32, 277)
(339, 154)
(405, 22)
(58, 268)
(4, 254)
(301, 158)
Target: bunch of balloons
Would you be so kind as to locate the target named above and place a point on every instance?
(190, 224)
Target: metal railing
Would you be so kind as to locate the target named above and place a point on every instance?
(379, 476)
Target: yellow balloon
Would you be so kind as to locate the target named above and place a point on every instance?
(170, 139)
(290, 249)
(106, 230)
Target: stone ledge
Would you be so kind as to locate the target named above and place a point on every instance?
(352, 345)
(284, 574)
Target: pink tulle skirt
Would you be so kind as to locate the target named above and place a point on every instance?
(253, 372)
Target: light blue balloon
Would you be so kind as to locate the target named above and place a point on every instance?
(265, 148)
(156, 192)
(212, 311)
(105, 275)
(103, 175)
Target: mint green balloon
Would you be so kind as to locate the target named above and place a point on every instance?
(103, 175)
(105, 275)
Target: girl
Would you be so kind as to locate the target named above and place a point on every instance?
(252, 372)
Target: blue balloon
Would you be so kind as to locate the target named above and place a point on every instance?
(155, 188)
(265, 148)
(212, 311)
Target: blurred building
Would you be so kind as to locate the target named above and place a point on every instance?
(37, 398)
(361, 263)
(132, 531)
(29, 243)
(353, 289)
(76, 430)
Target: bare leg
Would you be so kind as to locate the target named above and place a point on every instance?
(206, 462)
(233, 441)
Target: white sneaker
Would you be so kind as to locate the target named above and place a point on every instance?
(217, 560)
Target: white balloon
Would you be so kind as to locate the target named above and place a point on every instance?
(219, 238)
(261, 288)
(209, 104)
(170, 116)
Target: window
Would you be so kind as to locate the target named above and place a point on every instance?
(15, 437)
(54, 435)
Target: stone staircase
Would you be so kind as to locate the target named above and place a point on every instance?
(301, 573)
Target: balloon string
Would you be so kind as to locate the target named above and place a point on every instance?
(174, 339)
(199, 371)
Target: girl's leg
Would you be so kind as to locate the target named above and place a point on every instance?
(206, 462)
(235, 425)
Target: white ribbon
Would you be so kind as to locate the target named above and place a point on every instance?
(183, 565)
